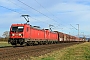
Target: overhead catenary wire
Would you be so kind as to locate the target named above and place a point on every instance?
(17, 4)
(44, 8)
(37, 11)
(11, 10)
(27, 10)
(48, 11)
(20, 13)
(33, 8)
(73, 27)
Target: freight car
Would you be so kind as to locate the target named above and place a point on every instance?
(62, 37)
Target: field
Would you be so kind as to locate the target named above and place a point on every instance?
(4, 44)
(75, 52)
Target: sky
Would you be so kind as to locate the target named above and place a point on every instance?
(64, 15)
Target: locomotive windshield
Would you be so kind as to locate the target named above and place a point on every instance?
(17, 28)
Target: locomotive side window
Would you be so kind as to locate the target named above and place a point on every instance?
(17, 28)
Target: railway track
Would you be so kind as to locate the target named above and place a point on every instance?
(5, 46)
(25, 52)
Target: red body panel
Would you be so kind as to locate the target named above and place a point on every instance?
(37, 34)
(51, 35)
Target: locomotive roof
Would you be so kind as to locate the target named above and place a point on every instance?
(19, 24)
(35, 27)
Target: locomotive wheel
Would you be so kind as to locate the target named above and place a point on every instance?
(21, 43)
(30, 43)
(24, 44)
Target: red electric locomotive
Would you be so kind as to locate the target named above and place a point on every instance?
(24, 33)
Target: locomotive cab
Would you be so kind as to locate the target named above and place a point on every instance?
(18, 33)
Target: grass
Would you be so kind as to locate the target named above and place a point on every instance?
(4, 44)
(75, 52)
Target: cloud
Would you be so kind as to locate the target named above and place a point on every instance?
(65, 12)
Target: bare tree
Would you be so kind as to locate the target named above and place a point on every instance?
(6, 34)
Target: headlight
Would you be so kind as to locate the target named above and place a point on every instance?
(20, 34)
(13, 34)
